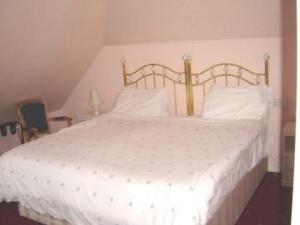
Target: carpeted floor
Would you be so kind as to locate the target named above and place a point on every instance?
(270, 205)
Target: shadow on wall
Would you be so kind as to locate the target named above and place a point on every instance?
(289, 63)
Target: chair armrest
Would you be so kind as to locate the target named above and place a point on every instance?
(67, 119)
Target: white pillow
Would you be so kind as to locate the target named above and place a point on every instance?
(249, 102)
(142, 102)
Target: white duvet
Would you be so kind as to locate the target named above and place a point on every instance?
(121, 170)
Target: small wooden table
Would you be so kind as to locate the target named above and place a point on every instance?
(68, 119)
(287, 154)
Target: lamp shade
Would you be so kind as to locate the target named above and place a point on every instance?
(95, 98)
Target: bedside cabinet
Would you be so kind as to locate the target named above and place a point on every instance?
(287, 154)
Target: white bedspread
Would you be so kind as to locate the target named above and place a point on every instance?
(118, 170)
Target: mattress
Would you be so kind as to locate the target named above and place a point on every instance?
(227, 214)
(119, 169)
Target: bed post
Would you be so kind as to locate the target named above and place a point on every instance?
(267, 57)
(123, 61)
(188, 85)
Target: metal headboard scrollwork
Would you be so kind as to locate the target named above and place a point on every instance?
(230, 74)
(155, 75)
(149, 75)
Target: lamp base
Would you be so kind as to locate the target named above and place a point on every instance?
(95, 110)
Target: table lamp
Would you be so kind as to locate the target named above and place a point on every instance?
(94, 101)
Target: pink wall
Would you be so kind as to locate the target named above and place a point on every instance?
(8, 142)
(55, 41)
(136, 21)
(105, 74)
(46, 46)
(289, 59)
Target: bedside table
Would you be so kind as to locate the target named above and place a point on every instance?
(287, 154)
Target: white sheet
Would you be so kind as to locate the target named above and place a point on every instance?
(131, 171)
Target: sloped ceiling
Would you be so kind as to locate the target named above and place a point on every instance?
(45, 48)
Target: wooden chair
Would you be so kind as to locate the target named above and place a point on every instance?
(33, 116)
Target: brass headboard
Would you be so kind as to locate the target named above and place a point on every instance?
(149, 75)
(155, 75)
(230, 74)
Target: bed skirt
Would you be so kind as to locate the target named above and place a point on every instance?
(228, 213)
(235, 203)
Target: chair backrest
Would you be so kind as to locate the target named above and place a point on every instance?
(33, 114)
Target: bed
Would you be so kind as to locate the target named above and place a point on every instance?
(123, 169)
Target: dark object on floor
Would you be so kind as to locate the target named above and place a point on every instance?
(270, 205)
(12, 127)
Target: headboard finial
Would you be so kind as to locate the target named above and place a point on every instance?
(266, 56)
(187, 57)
